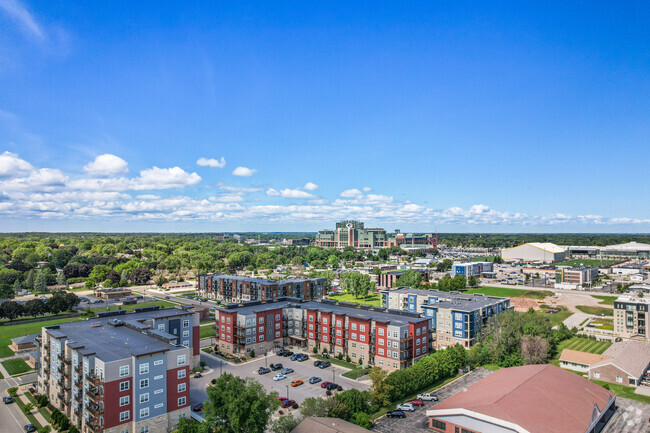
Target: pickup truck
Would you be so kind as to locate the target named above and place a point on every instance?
(428, 397)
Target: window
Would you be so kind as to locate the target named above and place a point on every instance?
(277, 317)
(144, 383)
(158, 406)
(354, 335)
(124, 386)
(161, 327)
(144, 412)
(380, 341)
(125, 415)
(597, 374)
(186, 343)
(311, 326)
(362, 337)
(181, 359)
(261, 320)
(354, 326)
(381, 331)
(338, 332)
(261, 330)
(362, 328)
(381, 351)
(181, 387)
(186, 323)
(144, 429)
(144, 397)
(180, 374)
(338, 323)
(182, 401)
(438, 424)
(324, 320)
(124, 400)
(619, 379)
(144, 368)
(186, 333)
(159, 362)
(124, 370)
(324, 338)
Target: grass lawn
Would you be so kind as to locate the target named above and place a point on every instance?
(558, 318)
(605, 324)
(9, 332)
(623, 391)
(511, 293)
(15, 366)
(206, 332)
(30, 417)
(493, 367)
(132, 307)
(372, 299)
(595, 310)
(584, 345)
(354, 372)
(587, 262)
(605, 300)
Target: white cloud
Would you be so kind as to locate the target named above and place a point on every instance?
(271, 192)
(211, 162)
(244, 171)
(44, 179)
(366, 189)
(106, 165)
(164, 178)
(351, 193)
(309, 186)
(294, 193)
(23, 17)
(239, 189)
(11, 165)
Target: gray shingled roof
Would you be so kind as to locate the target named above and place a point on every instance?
(632, 357)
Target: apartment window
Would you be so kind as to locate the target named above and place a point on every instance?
(277, 325)
(144, 383)
(144, 368)
(144, 412)
(186, 333)
(440, 425)
(338, 332)
(261, 320)
(124, 416)
(186, 343)
(395, 334)
(380, 341)
(380, 351)
(324, 320)
(144, 397)
(381, 331)
(181, 387)
(311, 318)
(159, 362)
(228, 320)
(354, 336)
(182, 401)
(261, 330)
(362, 347)
(354, 345)
(338, 342)
(362, 337)
(354, 326)
(277, 317)
(144, 429)
(124, 400)
(124, 370)
(338, 323)
(161, 327)
(277, 334)
(186, 323)
(417, 331)
(124, 385)
(619, 379)
(181, 359)
(324, 338)
(597, 374)
(354, 355)
(311, 326)
(362, 328)
(180, 374)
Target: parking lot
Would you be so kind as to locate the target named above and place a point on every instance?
(417, 421)
(303, 371)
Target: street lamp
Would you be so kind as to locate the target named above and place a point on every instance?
(266, 360)
(287, 391)
(333, 372)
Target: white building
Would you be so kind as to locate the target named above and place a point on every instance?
(535, 252)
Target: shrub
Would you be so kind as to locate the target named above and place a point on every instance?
(340, 356)
(315, 350)
(347, 358)
(203, 364)
(362, 419)
(73, 429)
(294, 406)
(48, 429)
(12, 391)
(324, 350)
(252, 354)
(27, 409)
(42, 400)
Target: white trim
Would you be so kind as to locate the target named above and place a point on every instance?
(460, 411)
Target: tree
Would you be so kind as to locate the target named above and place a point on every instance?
(114, 277)
(354, 400)
(6, 291)
(444, 265)
(187, 425)
(17, 286)
(459, 283)
(160, 280)
(140, 275)
(285, 424)
(534, 349)
(60, 279)
(379, 390)
(61, 257)
(316, 406)
(362, 419)
(357, 284)
(472, 281)
(29, 280)
(99, 273)
(409, 278)
(245, 405)
(376, 271)
(35, 307)
(40, 282)
(11, 310)
(56, 303)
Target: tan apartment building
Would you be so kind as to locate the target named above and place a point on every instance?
(631, 317)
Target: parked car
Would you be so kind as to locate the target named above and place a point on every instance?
(331, 386)
(198, 407)
(7, 399)
(295, 356)
(282, 352)
(324, 364)
(427, 397)
(396, 414)
(281, 399)
(302, 357)
(287, 371)
(324, 384)
(314, 379)
(279, 377)
(416, 403)
(406, 407)
(297, 382)
(197, 375)
(276, 367)
(166, 297)
(263, 370)
(287, 403)
(29, 428)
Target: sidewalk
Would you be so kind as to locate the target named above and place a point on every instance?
(35, 412)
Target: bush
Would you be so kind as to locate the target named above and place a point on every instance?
(27, 409)
(252, 354)
(362, 419)
(294, 406)
(347, 358)
(42, 400)
(324, 350)
(12, 391)
(76, 280)
(340, 356)
(315, 350)
(203, 364)
(73, 429)
(48, 429)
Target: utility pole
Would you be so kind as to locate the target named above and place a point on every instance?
(287, 391)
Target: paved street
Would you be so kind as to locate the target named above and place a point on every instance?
(303, 370)
(12, 419)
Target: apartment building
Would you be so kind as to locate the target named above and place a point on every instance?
(576, 276)
(455, 318)
(387, 280)
(472, 269)
(121, 373)
(355, 234)
(631, 317)
(374, 336)
(231, 288)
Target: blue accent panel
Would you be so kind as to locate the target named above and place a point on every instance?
(175, 327)
(412, 303)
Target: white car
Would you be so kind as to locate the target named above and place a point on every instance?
(279, 377)
(406, 407)
(428, 397)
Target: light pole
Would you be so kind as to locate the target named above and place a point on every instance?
(266, 360)
(287, 391)
(333, 372)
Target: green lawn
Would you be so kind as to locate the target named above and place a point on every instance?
(206, 332)
(354, 372)
(605, 300)
(584, 345)
(15, 366)
(605, 324)
(129, 308)
(623, 391)
(587, 262)
(511, 293)
(30, 417)
(372, 299)
(595, 310)
(557, 318)
(9, 332)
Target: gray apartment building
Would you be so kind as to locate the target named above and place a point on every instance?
(231, 288)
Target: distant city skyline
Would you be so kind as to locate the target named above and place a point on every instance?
(259, 117)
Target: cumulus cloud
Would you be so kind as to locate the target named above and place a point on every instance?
(244, 171)
(309, 186)
(351, 193)
(164, 178)
(295, 193)
(366, 189)
(272, 192)
(211, 162)
(11, 165)
(106, 165)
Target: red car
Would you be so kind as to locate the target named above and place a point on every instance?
(416, 402)
(282, 398)
(287, 403)
(324, 384)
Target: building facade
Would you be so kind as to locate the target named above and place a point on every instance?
(536, 252)
(230, 288)
(372, 336)
(576, 276)
(355, 234)
(387, 280)
(631, 317)
(121, 373)
(469, 269)
(455, 318)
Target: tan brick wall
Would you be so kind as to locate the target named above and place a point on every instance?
(176, 415)
(608, 373)
(159, 424)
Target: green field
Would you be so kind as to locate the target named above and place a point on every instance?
(605, 324)
(206, 332)
(129, 308)
(9, 332)
(558, 318)
(511, 293)
(587, 262)
(15, 366)
(584, 345)
(623, 391)
(372, 299)
(595, 310)
(605, 300)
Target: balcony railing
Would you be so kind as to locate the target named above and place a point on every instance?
(95, 395)
(94, 410)
(94, 380)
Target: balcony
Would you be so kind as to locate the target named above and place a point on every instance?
(95, 395)
(79, 368)
(94, 380)
(94, 426)
(60, 356)
(94, 410)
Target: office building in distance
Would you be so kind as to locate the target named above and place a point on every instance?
(354, 234)
(455, 318)
(121, 372)
(535, 252)
(373, 336)
(230, 288)
(631, 318)
(475, 269)
(566, 277)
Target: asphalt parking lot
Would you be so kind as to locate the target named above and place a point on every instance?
(303, 370)
(417, 421)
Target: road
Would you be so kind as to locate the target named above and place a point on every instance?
(11, 418)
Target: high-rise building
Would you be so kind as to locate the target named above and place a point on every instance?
(354, 234)
(231, 288)
(631, 317)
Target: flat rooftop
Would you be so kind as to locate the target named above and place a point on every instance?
(455, 300)
(262, 280)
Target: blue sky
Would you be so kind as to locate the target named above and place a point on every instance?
(448, 116)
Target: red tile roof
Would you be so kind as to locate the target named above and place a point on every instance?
(538, 398)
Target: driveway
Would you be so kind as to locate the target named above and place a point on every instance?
(303, 370)
(418, 421)
(630, 417)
